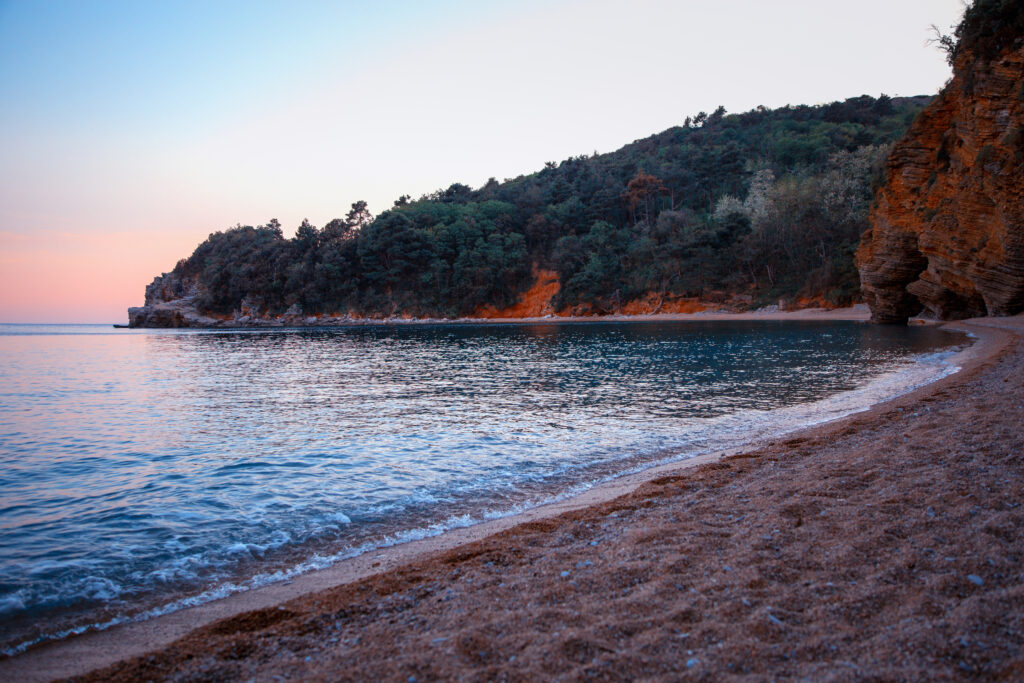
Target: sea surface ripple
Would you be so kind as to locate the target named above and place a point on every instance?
(145, 470)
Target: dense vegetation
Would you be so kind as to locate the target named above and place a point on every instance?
(989, 27)
(749, 207)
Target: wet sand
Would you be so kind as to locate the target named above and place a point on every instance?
(886, 545)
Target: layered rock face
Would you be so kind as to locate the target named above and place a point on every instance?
(947, 233)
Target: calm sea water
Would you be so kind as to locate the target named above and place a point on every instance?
(142, 471)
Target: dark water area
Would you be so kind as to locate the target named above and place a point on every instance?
(145, 470)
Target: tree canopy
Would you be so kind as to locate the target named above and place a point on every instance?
(989, 28)
(763, 204)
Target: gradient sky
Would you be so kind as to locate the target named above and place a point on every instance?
(131, 130)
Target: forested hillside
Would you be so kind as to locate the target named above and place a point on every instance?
(743, 208)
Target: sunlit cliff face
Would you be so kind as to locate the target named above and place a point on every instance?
(948, 227)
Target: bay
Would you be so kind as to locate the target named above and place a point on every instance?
(145, 470)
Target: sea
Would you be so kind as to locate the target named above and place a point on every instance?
(143, 471)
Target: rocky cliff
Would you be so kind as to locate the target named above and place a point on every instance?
(947, 227)
(172, 301)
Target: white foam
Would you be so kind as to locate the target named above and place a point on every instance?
(11, 603)
(339, 517)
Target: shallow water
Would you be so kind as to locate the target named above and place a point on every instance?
(144, 470)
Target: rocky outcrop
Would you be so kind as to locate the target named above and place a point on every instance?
(947, 227)
(172, 301)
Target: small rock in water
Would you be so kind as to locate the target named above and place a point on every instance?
(975, 579)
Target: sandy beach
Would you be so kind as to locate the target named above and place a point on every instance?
(857, 312)
(883, 546)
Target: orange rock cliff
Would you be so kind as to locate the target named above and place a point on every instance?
(947, 233)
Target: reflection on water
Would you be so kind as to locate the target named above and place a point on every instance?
(141, 467)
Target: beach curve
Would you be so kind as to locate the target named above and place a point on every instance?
(75, 655)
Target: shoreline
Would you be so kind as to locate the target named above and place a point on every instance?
(102, 648)
(856, 312)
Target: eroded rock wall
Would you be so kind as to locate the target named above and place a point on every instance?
(947, 233)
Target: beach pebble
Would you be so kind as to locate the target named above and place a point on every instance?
(975, 579)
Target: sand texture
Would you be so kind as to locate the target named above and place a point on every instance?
(886, 546)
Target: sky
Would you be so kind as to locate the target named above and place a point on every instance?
(129, 131)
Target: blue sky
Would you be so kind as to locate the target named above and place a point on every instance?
(131, 130)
